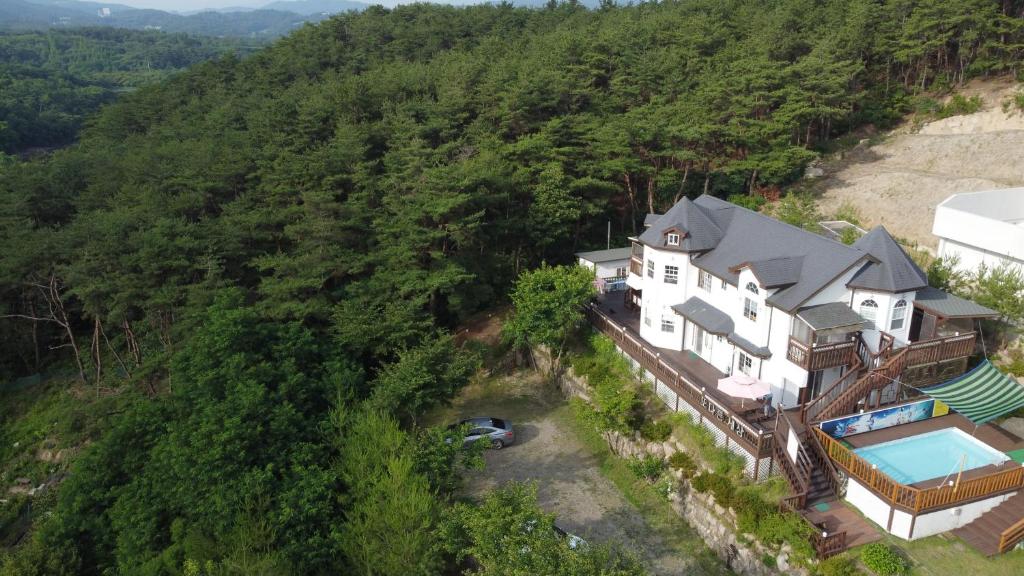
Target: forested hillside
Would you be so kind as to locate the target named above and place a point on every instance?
(51, 81)
(261, 257)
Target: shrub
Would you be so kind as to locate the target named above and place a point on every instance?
(1015, 362)
(656, 431)
(837, 566)
(683, 462)
(750, 509)
(719, 486)
(959, 106)
(750, 202)
(849, 235)
(648, 467)
(883, 560)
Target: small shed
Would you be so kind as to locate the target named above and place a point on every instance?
(610, 267)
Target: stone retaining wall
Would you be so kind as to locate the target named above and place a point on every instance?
(715, 525)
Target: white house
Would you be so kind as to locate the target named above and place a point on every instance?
(982, 227)
(748, 293)
(843, 338)
(609, 267)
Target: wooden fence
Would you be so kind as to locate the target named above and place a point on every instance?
(920, 500)
(1011, 536)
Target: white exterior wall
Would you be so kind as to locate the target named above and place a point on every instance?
(606, 269)
(903, 523)
(883, 318)
(982, 227)
(771, 329)
(659, 297)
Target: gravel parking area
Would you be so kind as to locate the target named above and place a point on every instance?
(568, 474)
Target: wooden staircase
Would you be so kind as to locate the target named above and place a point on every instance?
(997, 530)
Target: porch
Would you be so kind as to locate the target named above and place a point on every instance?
(687, 376)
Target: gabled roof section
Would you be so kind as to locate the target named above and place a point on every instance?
(944, 305)
(751, 237)
(705, 315)
(891, 269)
(650, 219)
(830, 316)
(611, 255)
(775, 272)
(697, 230)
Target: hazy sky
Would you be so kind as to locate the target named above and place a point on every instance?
(191, 5)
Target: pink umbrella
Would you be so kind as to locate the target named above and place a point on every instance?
(741, 386)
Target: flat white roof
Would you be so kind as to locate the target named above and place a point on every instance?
(992, 220)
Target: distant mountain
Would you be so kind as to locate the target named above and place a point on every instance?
(38, 14)
(311, 7)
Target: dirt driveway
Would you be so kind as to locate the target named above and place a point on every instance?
(569, 475)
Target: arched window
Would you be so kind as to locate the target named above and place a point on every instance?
(899, 315)
(869, 312)
(751, 287)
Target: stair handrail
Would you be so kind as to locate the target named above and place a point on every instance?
(809, 410)
(835, 481)
(875, 379)
(1010, 536)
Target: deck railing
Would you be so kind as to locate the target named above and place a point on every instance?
(809, 411)
(797, 473)
(825, 544)
(939, 349)
(920, 499)
(845, 402)
(1011, 536)
(823, 356)
(732, 424)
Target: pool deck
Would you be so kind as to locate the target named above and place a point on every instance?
(989, 434)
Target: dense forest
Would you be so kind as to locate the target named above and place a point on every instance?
(52, 81)
(256, 264)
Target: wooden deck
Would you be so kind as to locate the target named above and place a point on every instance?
(689, 364)
(833, 515)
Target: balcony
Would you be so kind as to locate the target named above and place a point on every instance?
(636, 267)
(822, 356)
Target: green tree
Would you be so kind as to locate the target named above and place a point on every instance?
(548, 308)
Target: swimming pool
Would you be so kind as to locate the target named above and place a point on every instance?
(930, 455)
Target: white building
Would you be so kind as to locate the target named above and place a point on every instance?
(982, 227)
(609, 266)
(748, 293)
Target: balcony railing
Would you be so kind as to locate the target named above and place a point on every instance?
(920, 499)
(732, 424)
(823, 356)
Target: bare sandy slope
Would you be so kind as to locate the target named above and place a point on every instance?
(899, 182)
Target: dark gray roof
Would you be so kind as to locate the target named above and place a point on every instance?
(831, 315)
(705, 315)
(698, 231)
(748, 236)
(892, 270)
(748, 346)
(650, 219)
(605, 255)
(947, 305)
(777, 272)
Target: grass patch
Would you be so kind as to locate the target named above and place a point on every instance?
(647, 498)
(946, 554)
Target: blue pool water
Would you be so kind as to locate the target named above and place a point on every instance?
(931, 455)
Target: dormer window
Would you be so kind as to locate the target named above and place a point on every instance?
(672, 239)
(752, 288)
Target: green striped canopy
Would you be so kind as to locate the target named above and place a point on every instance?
(981, 395)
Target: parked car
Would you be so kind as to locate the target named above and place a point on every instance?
(498, 431)
(574, 541)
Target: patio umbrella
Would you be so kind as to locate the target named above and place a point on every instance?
(741, 386)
